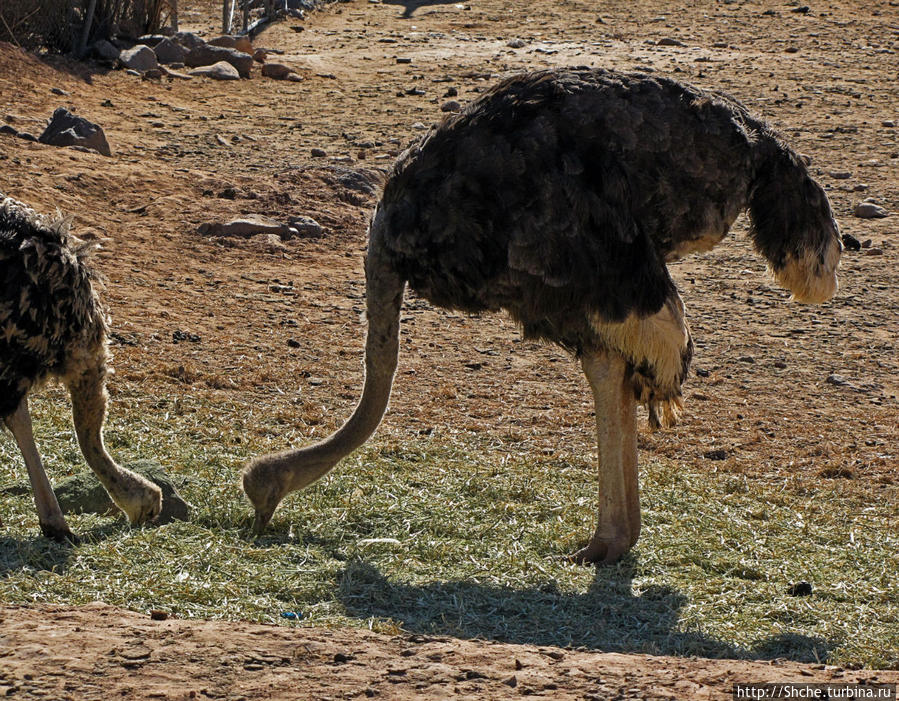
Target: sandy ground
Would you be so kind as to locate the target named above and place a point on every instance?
(279, 324)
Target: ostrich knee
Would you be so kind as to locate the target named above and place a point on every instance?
(137, 497)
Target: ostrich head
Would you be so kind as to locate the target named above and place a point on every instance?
(793, 226)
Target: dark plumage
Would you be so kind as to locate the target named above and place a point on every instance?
(52, 324)
(47, 301)
(559, 196)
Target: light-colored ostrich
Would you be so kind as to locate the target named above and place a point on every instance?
(559, 196)
(52, 324)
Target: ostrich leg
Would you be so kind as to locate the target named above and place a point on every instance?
(53, 523)
(618, 523)
(140, 499)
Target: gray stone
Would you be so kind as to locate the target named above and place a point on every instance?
(83, 493)
(188, 40)
(67, 129)
(451, 106)
(106, 50)
(139, 58)
(6, 129)
(306, 227)
(517, 44)
(251, 225)
(869, 210)
(278, 71)
(220, 71)
(207, 55)
(669, 41)
(24, 135)
(168, 51)
(259, 55)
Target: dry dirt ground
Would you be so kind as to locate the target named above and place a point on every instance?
(279, 327)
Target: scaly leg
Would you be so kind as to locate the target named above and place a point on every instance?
(140, 499)
(618, 523)
(53, 523)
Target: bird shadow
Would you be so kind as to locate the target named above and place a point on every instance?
(410, 6)
(41, 554)
(607, 617)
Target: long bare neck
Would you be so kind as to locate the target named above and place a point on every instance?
(268, 479)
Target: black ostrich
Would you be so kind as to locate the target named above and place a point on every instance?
(53, 325)
(560, 196)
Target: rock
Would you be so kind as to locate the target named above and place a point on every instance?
(139, 58)
(840, 174)
(175, 74)
(451, 106)
(168, 51)
(151, 40)
(58, 91)
(403, 59)
(718, 454)
(850, 243)
(66, 129)
(6, 129)
(220, 71)
(251, 225)
(278, 71)
(800, 589)
(888, 123)
(25, 136)
(451, 91)
(207, 55)
(83, 493)
(669, 41)
(517, 44)
(318, 153)
(233, 42)
(294, 78)
(188, 40)
(106, 50)
(837, 380)
(267, 243)
(259, 55)
(306, 227)
(869, 210)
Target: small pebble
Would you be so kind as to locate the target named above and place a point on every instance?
(403, 59)
(840, 174)
(517, 44)
(158, 615)
(800, 589)
(837, 380)
(889, 123)
(850, 243)
(318, 153)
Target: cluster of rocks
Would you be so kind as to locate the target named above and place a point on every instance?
(226, 57)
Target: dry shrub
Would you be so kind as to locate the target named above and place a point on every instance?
(56, 25)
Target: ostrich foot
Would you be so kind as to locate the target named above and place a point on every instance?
(61, 534)
(138, 497)
(605, 548)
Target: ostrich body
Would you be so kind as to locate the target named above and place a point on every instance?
(559, 196)
(52, 324)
